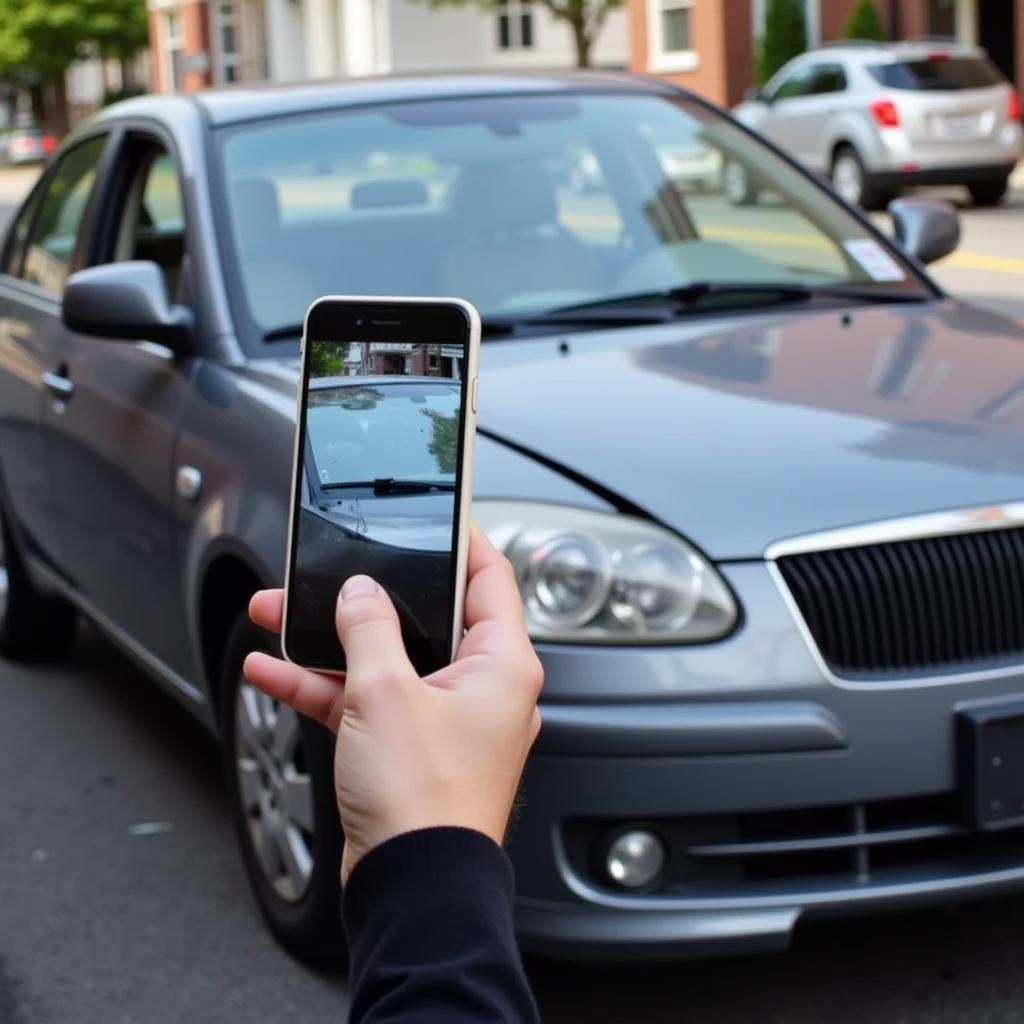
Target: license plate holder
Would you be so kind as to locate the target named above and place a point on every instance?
(990, 741)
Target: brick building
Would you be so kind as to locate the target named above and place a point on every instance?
(709, 45)
(417, 360)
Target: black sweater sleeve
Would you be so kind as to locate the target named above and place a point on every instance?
(429, 918)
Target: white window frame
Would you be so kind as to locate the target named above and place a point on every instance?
(515, 11)
(225, 59)
(172, 33)
(658, 58)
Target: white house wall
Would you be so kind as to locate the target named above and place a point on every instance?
(319, 38)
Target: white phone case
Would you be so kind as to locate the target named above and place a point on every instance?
(470, 401)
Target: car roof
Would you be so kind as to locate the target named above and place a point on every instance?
(322, 383)
(909, 49)
(249, 102)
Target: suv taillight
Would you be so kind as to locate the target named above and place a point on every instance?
(1013, 111)
(885, 113)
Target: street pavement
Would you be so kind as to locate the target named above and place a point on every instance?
(104, 922)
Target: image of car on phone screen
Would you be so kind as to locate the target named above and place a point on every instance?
(379, 495)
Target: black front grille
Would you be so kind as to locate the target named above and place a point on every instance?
(940, 603)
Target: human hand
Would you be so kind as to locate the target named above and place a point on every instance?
(412, 753)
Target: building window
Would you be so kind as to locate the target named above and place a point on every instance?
(174, 49)
(675, 25)
(515, 25)
(670, 31)
(227, 42)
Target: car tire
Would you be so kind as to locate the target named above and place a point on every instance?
(851, 181)
(989, 193)
(738, 186)
(279, 772)
(33, 626)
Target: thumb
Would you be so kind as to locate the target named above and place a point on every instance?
(371, 637)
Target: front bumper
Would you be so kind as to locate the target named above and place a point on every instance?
(781, 793)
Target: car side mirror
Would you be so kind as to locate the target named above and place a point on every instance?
(926, 229)
(128, 302)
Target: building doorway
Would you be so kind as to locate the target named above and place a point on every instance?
(997, 33)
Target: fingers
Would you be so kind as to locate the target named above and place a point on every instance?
(319, 697)
(371, 636)
(492, 596)
(266, 609)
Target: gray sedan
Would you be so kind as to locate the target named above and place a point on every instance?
(760, 479)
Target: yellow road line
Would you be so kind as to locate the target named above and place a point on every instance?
(985, 261)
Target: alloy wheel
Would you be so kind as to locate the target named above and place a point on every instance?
(276, 790)
(734, 180)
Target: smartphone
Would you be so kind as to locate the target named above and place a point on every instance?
(383, 470)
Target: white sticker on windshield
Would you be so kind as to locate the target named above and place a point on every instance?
(874, 260)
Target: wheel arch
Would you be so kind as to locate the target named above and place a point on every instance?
(229, 579)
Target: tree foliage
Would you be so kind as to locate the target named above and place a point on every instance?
(45, 36)
(864, 22)
(584, 18)
(327, 358)
(785, 37)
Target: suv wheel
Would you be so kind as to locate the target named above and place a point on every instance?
(989, 193)
(279, 768)
(33, 625)
(852, 182)
(737, 185)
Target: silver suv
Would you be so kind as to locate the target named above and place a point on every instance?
(878, 117)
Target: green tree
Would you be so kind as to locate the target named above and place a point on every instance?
(785, 37)
(864, 22)
(327, 358)
(584, 18)
(39, 39)
(444, 441)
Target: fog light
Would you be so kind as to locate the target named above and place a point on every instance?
(635, 858)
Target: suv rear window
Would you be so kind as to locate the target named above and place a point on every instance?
(938, 74)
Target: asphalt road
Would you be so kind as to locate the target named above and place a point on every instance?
(100, 925)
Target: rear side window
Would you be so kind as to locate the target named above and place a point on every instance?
(54, 233)
(826, 78)
(952, 73)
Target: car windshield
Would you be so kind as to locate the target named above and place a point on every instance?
(525, 204)
(397, 433)
(938, 74)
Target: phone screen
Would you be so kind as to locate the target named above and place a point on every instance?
(380, 460)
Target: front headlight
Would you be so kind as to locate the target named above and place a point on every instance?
(599, 577)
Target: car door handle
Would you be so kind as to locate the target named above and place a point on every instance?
(57, 384)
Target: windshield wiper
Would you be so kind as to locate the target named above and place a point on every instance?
(664, 304)
(390, 485)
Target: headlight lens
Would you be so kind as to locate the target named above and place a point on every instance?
(593, 576)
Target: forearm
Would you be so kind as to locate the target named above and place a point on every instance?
(429, 916)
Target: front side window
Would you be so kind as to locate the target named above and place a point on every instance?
(53, 237)
(523, 204)
(153, 221)
(792, 85)
(826, 78)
